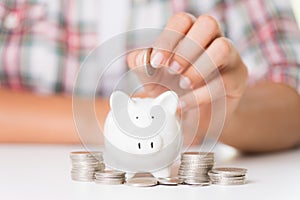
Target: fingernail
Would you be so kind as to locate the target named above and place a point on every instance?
(156, 59)
(192, 17)
(139, 58)
(174, 67)
(182, 105)
(185, 83)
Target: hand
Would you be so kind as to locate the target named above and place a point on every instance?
(180, 48)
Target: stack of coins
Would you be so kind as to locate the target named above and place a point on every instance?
(110, 177)
(195, 166)
(85, 164)
(228, 176)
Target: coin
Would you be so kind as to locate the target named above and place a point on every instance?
(194, 167)
(110, 182)
(169, 181)
(230, 171)
(110, 177)
(196, 182)
(85, 164)
(228, 176)
(142, 182)
(147, 65)
(197, 154)
(86, 154)
(111, 173)
(237, 182)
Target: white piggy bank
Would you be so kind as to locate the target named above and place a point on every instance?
(142, 134)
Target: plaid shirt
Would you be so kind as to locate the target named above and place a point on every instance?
(43, 42)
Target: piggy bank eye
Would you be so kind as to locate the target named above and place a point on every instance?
(137, 117)
(152, 117)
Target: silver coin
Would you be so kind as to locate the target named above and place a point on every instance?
(229, 171)
(85, 162)
(202, 179)
(191, 176)
(197, 154)
(85, 154)
(85, 166)
(80, 153)
(239, 182)
(225, 176)
(193, 171)
(111, 180)
(197, 162)
(194, 168)
(197, 157)
(169, 181)
(110, 173)
(99, 169)
(147, 65)
(197, 182)
(142, 182)
(187, 174)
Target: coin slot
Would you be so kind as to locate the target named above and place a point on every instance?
(152, 145)
(139, 145)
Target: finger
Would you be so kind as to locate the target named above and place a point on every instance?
(153, 85)
(217, 56)
(203, 95)
(201, 34)
(175, 30)
(235, 81)
(231, 85)
(135, 58)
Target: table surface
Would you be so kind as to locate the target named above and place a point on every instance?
(43, 172)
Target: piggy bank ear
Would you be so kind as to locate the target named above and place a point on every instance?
(118, 100)
(168, 100)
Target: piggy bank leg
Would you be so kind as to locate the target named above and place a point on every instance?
(163, 173)
(129, 175)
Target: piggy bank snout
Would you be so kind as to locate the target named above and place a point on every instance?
(148, 146)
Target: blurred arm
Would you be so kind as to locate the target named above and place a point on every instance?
(26, 117)
(267, 119)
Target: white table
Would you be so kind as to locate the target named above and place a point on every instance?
(43, 172)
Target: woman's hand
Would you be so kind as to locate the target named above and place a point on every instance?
(195, 49)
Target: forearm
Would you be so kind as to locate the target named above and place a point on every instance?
(267, 119)
(25, 117)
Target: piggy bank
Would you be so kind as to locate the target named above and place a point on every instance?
(142, 134)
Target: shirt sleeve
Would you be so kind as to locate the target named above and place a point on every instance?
(268, 38)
